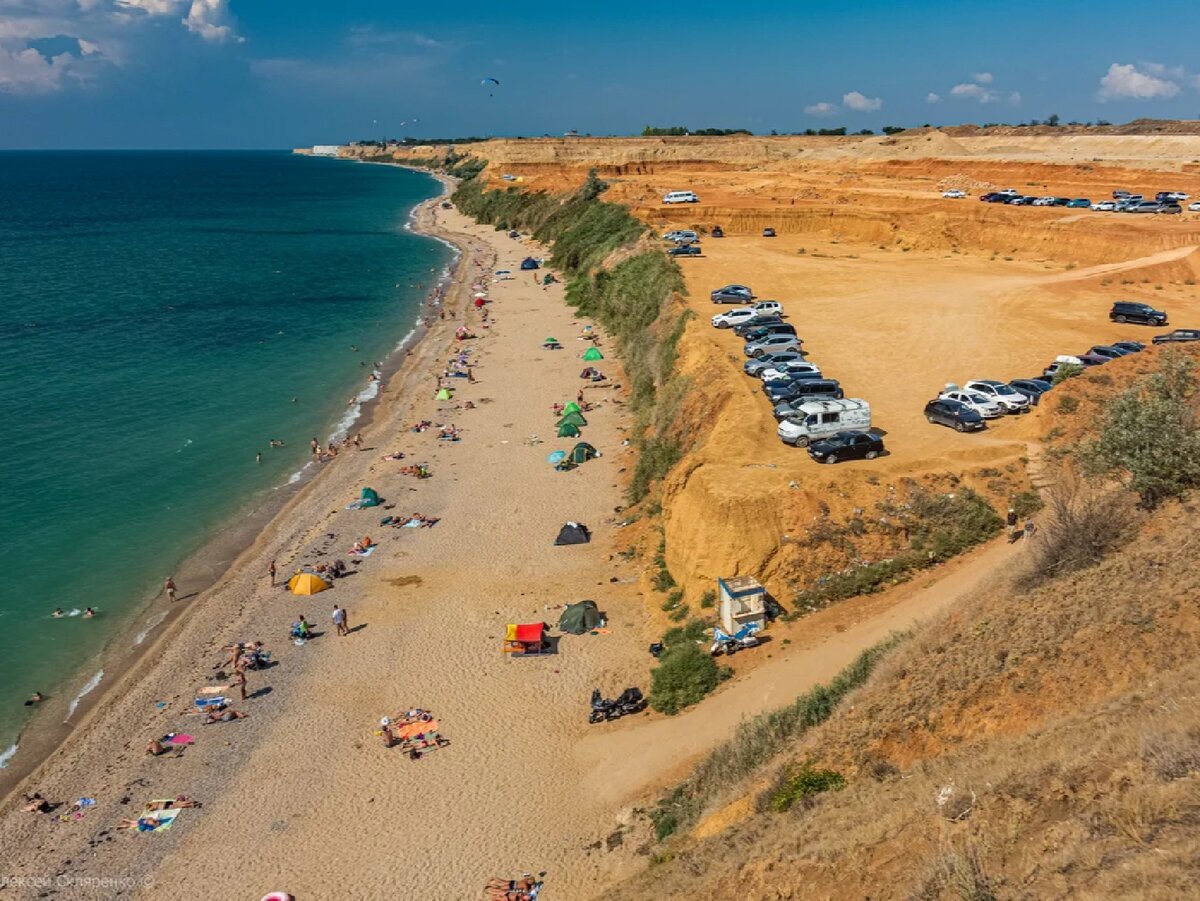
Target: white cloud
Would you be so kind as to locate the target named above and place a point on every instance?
(207, 18)
(1127, 82)
(152, 7)
(971, 91)
(861, 103)
(981, 77)
(822, 109)
(933, 98)
(1015, 98)
(28, 72)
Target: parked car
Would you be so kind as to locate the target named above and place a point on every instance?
(684, 250)
(954, 194)
(768, 233)
(732, 294)
(755, 366)
(1104, 206)
(1091, 359)
(823, 418)
(1194, 207)
(762, 332)
(1108, 350)
(730, 318)
(1061, 201)
(1031, 388)
(1079, 203)
(681, 197)
(1179, 335)
(960, 417)
(742, 329)
(989, 197)
(770, 344)
(1020, 201)
(1144, 206)
(1170, 196)
(791, 387)
(847, 446)
(1008, 192)
(766, 308)
(985, 407)
(717, 232)
(1042, 201)
(1121, 195)
(1131, 311)
(788, 370)
(681, 236)
(997, 198)
(1170, 207)
(1009, 399)
(1132, 346)
(810, 390)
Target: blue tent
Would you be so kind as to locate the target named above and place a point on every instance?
(529, 263)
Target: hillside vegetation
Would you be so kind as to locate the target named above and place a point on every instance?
(1040, 740)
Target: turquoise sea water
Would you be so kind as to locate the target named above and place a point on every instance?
(158, 313)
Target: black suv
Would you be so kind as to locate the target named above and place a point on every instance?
(1127, 311)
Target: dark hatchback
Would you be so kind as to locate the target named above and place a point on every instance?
(762, 331)
(1031, 388)
(684, 250)
(951, 413)
(846, 446)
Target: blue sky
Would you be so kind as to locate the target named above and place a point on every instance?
(278, 73)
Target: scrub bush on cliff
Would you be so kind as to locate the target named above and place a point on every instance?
(684, 675)
(1149, 438)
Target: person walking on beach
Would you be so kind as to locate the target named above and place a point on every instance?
(239, 679)
(271, 571)
(169, 587)
(1030, 528)
(358, 440)
(1011, 521)
(339, 620)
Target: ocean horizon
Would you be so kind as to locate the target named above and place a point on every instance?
(168, 315)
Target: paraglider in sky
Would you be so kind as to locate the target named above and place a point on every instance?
(490, 83)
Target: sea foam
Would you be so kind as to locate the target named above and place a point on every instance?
(87, 689)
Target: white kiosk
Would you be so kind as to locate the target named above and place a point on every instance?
(743, 601)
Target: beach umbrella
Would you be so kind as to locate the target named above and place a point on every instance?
(557, 457)
(593, 353)
(307, 583)
(444, 394)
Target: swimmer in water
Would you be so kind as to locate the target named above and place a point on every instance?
(58, 613)
(89, 613)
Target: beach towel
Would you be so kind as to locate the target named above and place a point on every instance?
(164, 819)
(180, 739)
(218, 701)
(365, 552)
(213, 689)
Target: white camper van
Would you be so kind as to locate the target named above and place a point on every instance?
(681, 197)
(821, 418)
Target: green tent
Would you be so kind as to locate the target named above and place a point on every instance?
(444, 394)
(593, 353)
(369, 498)
(579, 618)
(566, 430)
(575, 419)
(546, 341)
(583, 452)
(572, 407)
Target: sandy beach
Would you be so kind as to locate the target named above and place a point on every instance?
(301, 795)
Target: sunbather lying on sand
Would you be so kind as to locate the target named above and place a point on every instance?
(222, 715)
(141, 824)
(394, 456)
(511, 889)
(173, 804)
(36, 804)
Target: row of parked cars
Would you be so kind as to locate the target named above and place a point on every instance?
(1122, 202)
(810, 408)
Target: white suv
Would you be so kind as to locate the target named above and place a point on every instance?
(1009, 399)
(730, 318)
(984, 406)
(681, 197)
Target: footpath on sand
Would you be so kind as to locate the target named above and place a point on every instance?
(653, 753)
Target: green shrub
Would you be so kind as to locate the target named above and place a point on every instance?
(684, 675)
(1149, 437)
(708, 599)
(1068, 404)
(695, 630)
(1064, 372)
(679, 613)
(800, 787)
(1027, 503)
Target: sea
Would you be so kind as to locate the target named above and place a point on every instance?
(163, 318)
